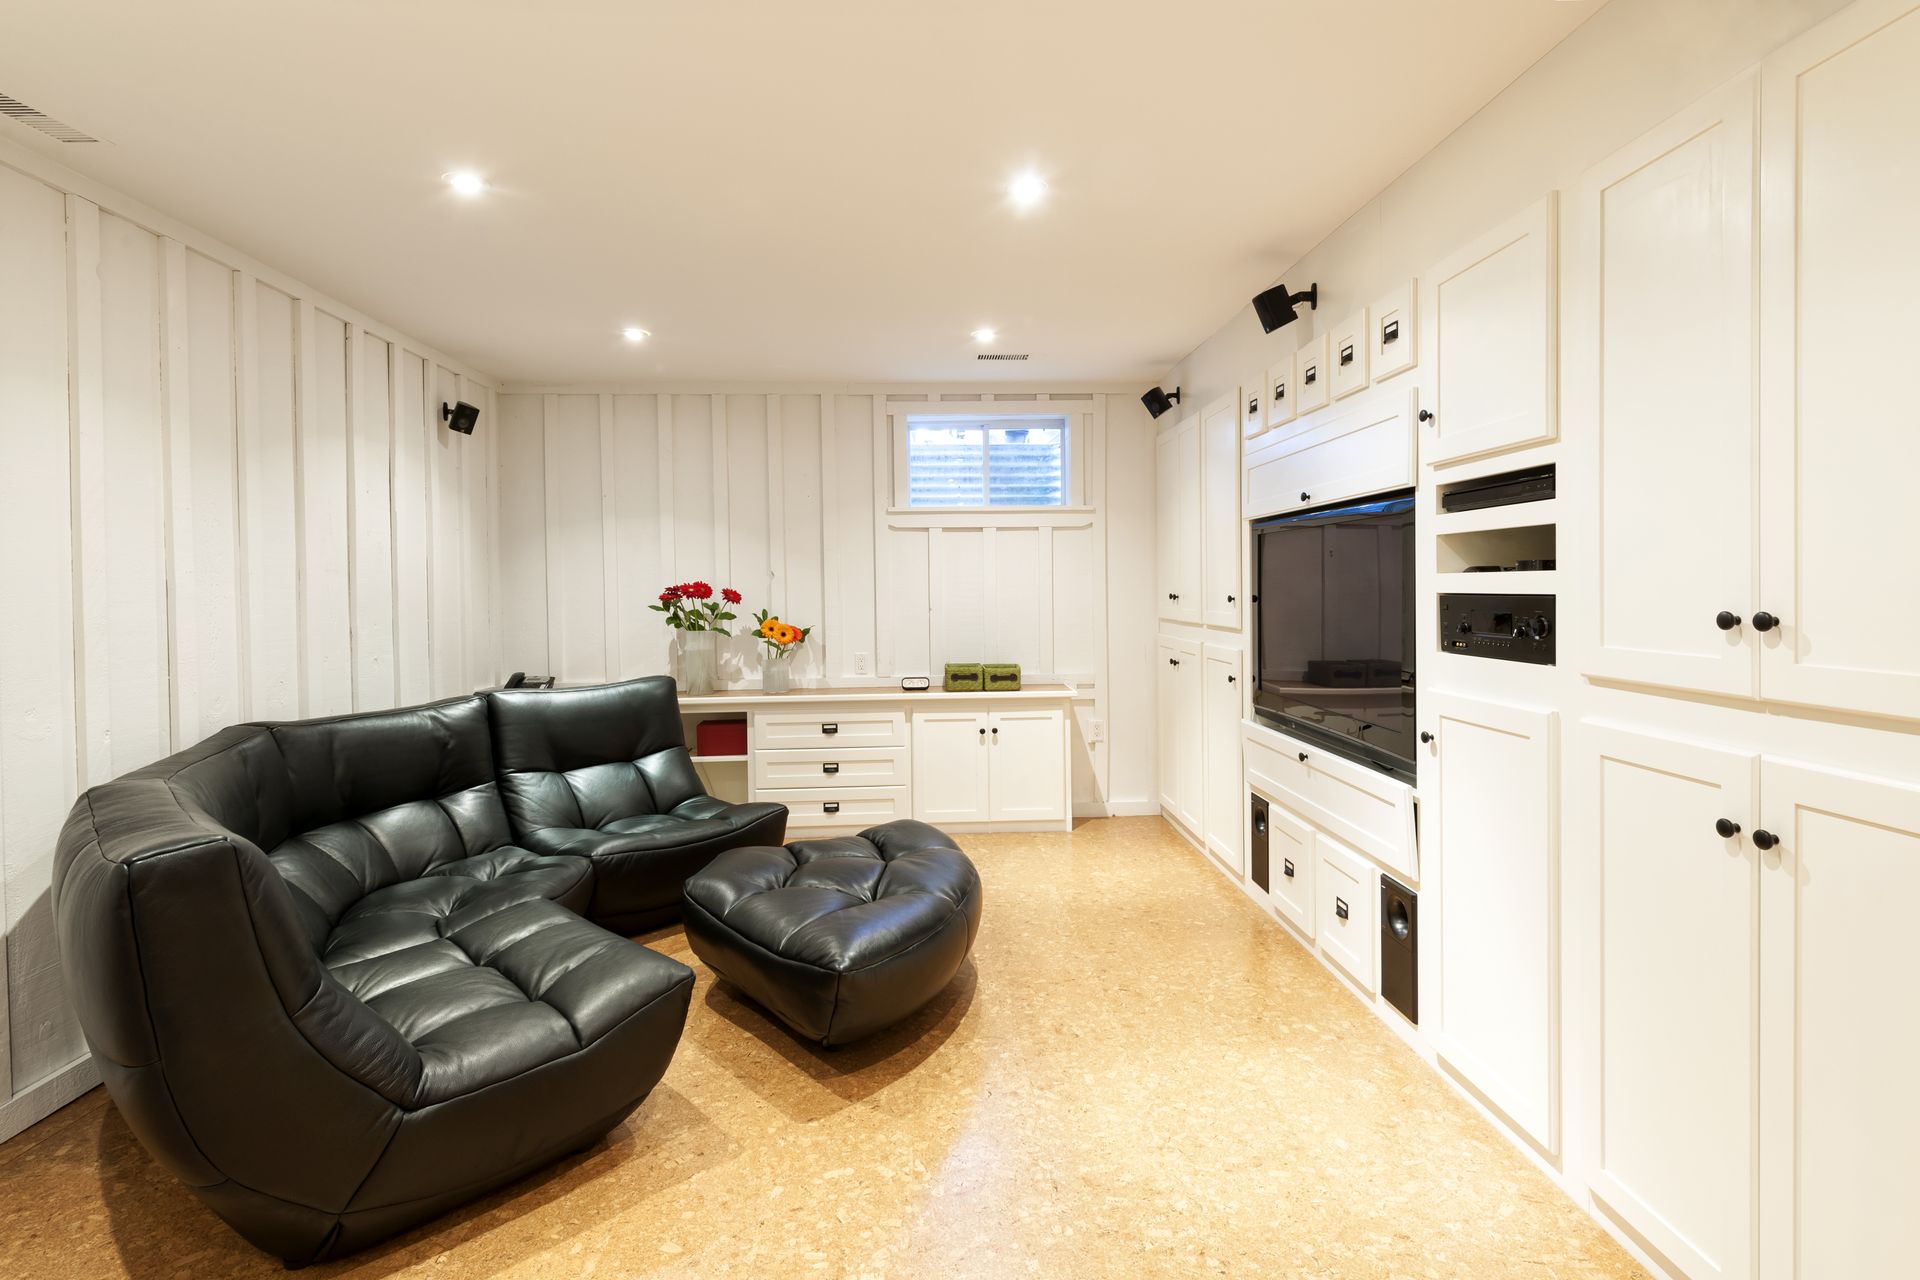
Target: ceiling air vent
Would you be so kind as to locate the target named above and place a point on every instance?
(58, 130)
(997, 355)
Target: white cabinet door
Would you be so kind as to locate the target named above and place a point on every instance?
(1290, 864)
(1489, 313)
(1225, 778)
(1182, 745)
(1028, 755)
(1221, 532)
(1838, 1124)
(1840, 304)
(1492, 782)
(950, 766)
(1348, 920)
(1679, 973)
(1662, 380)
(1177, 456)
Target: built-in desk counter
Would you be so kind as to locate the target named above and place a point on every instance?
(843, 759)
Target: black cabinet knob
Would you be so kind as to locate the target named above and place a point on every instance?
(1425, 736)
(983, 733)
(1764, 621)
(1230, 599)
(1172, 662)
(1303, 757)
(1173, 595)
(1233, 679)
(996, 731)
(1426, 415)
(1764, 839)
(1727, 828)
(1306, 497)
(1726, 620)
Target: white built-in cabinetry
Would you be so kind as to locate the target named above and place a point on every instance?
(1222, 699)
(972, 766)
(1221, 533)
(1177, 474)
(1182, 731)
(1488, 312)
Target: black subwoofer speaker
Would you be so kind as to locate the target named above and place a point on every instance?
(1258, 861)
(1400, 947)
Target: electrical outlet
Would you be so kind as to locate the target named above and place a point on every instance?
(860, 664)
(1096, 731)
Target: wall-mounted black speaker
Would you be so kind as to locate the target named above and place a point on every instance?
(1158, 401)
(1275, 306)
(461, 417)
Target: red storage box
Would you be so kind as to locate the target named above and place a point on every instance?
(720, 738)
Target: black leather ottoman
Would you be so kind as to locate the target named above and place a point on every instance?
(838, 937)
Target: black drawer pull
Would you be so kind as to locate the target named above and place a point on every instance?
(1340, 908)
(1279, 391)
(1303, 757)
(1286, 867)
(831, 806)
(1389, 332)
(1311, 375)
(829, 728)
(1346, 354)
(830, 767)
(1253, 406)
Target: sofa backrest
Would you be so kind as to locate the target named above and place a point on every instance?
(382, 797)
(587, 757)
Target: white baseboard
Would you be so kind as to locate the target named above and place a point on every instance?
(46, 1096)
(1132, 808)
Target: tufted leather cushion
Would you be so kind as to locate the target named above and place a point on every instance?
(604, 773)
(330, 994)
(838, 937)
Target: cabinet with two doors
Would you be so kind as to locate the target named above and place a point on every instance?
(1200, 531)
(1200, 704)
(977, 766)
(1743, 321)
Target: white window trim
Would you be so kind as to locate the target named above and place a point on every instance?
(1077, 413)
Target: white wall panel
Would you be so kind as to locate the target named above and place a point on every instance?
(269, 536)
(523, 534)
(37, 733)
(633, 492)
(576, 567)
(371, 507)
(211, 616)
(691, 479)
(447, 586)
(412, 533)
(122, 561)
(218, 517)
(325, 551)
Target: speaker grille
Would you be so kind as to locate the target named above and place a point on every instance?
(58, 130)
(997, 355)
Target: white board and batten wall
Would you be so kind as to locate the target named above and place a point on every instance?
(795, 498)
(1659, 881)
(224, 497)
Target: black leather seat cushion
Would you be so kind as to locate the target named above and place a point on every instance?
(839, 937)
(604, 773)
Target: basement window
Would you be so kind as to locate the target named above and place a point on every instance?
(990, 461)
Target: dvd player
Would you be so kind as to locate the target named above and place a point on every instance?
(1532, 485)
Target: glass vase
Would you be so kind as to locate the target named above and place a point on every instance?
(776, 671)
(694, 665)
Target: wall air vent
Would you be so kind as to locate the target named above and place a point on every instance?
(997, 355)
(58, 130)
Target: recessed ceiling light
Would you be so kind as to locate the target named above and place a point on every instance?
(465, 182)
(984, 334)
(1027, 190)
(635, 334)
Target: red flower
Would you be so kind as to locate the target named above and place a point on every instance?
(669, 595)
(730, 595)
(698, 590)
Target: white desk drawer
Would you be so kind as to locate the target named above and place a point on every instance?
(1348, 919)
(1364, 808)
(853, 808)
(829, 727)
(830, 767)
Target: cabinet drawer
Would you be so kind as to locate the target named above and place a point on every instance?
(1347, 355)
(1362, 450)
(1290, 863)
(842, 727)
(1366, 809)
(1310, 376)
(1280, 396)
(852, 808)
(830, 767)
(1348, 893)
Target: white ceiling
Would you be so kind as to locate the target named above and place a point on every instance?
(777, 190)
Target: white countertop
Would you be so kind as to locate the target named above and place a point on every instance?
(745, 699)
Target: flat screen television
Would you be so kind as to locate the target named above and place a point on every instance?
(1333, 629)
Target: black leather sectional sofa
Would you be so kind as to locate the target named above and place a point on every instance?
(336, 975)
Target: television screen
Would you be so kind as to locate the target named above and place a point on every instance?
(1333, 632)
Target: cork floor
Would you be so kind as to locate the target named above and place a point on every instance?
(1136, 1074)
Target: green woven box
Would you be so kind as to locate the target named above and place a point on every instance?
(965, 677)
(1002, 677)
